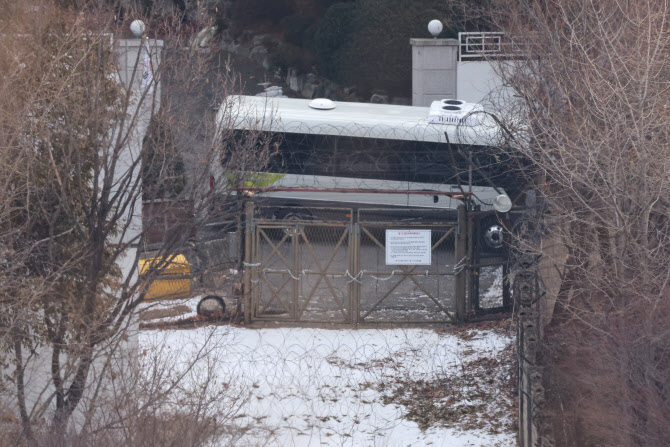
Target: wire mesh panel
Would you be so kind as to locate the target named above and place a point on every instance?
(301, 264)
(395, 265)
(324, 260)
(397, 290)
(273, 272)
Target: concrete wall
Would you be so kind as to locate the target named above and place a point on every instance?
(433, 70)
(438, 74)
(476, 81)
(145, 103)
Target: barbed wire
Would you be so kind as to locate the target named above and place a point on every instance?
(347, 273)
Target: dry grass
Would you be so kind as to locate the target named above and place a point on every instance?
(483, 393)
(154, 314)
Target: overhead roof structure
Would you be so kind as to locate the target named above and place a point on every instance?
(352, 119)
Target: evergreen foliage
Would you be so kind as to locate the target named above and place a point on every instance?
(250, 11)
(298, 30)
(322, 6)
(377, 53)
(334, 30)
(287, 56)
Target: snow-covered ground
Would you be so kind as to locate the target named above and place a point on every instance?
(491, 283)
(346, 387)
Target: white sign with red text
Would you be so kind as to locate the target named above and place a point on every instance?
(408, 247)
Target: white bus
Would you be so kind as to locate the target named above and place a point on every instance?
(378, 141)
(381, 155)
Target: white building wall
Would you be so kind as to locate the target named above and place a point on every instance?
(477, 81)
(438, 74)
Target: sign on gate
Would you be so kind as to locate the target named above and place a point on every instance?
(408, 247)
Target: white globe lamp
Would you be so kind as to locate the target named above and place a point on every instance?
(137, 28)
(435, 27)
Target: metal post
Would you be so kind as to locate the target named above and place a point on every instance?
(295, 269)
(474, 233)
(507, 296)
(248, 259)
(460, 255)
(356, 268)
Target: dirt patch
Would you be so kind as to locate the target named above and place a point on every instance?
(154, 314)
(469, 331)
(482, 394)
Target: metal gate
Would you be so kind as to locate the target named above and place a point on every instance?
(422, 293)
(299, 266)
(327, 265)
(488, 266)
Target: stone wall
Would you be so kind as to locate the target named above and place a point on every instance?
(528, 292)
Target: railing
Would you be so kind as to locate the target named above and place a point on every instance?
(482, 45)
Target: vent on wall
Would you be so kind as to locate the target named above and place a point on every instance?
(455, 111)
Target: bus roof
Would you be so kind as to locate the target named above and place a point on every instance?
(301, 187)
(351, 119)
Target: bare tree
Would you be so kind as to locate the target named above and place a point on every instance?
(76, 176)
(591, 82)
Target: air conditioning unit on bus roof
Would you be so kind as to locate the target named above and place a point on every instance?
(455, 111)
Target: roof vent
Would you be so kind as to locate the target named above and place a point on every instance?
(455, 111)
(322, 104)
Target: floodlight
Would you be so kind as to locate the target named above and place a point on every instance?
(502, 203)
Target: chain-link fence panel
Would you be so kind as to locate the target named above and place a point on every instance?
(273, 272)
(416, 286)
(301, 264)
(391, 265)
(324, 259)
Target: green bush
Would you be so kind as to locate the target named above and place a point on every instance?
(333, 32)
(163, 171)
(250, 11)
(366, 43)
(286, 56)
(322, 5)
(298, 30)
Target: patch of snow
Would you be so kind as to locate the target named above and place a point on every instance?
(273, 91)
(492, 296)
(321, 387)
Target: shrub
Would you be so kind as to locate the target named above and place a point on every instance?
(163, 169)
(322, 5)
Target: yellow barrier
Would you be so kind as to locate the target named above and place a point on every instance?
(173, 282)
